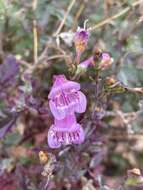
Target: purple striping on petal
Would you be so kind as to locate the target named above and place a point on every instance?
(65, 132)
(62, 84)
(67, 100)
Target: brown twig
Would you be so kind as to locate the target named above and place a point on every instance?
(66, 57)
(35, 34)
(135, 90)
(58, 56)
(1, 45)
(124, 137)
(65, 17)
(43, 55)
(79, 12)
(127, 118)
(108, 20)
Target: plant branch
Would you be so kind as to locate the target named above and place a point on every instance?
(35, 34)
(78, 14)
(109, 19)
(65, 17)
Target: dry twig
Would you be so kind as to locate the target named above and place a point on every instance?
(65, 17)
(79, 12)
(35, 34)
(122, 12)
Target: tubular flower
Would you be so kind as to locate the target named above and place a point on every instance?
(64, 132)
(85, 64)
(66, 98)
(80, 40)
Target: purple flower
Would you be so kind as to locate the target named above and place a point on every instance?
(85, 64)
(66, 98)
(64, 132)
(80, 40)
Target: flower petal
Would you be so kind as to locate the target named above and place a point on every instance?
(61, 83)
(81, 105)
(72, 135)
(63, 109)
(65, 124)
(59, 113)
(85, 64)
(78, 134)
(52, 140)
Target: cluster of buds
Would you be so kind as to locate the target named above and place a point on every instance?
(102, 63)
(103, 58)
(65, 98)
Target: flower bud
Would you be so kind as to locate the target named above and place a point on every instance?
(80, 40)
(106, 61)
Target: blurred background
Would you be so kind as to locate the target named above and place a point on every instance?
(40, 35)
